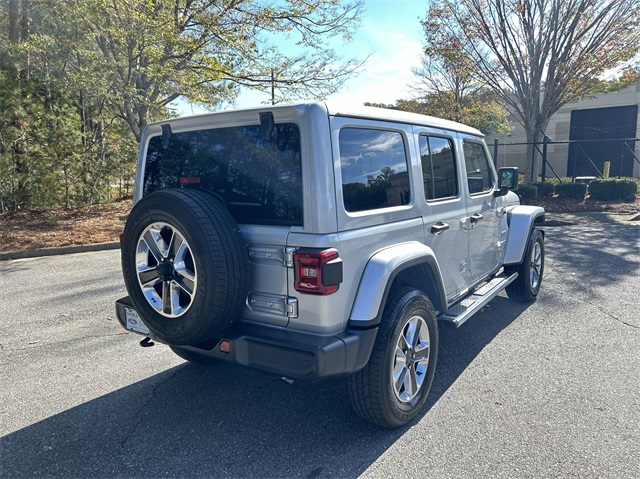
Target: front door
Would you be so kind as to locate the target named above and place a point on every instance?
(483, 227)
(445, 211)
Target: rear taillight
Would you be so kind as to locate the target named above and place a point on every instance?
(317, 272)
(193, 180)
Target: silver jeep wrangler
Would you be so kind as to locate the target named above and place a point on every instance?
(311, 241)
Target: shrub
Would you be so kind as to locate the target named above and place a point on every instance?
(557, 181)
(571, 190)
(616, 189)
(528, 192)
(545, 188)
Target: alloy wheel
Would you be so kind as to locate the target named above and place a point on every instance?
(411, 359)
(166, 269)
(535, 269)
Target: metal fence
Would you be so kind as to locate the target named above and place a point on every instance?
(570, 159)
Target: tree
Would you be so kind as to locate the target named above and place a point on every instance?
(447, 85)
(480, 110)
(446, 75)
(140, 56)
(538, 55)
(628, 76)
(79, 79)
(59, 144)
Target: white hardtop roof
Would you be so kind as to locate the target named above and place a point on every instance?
(356, 111)
(399, 116)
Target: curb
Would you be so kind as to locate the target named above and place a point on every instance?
(36, 253)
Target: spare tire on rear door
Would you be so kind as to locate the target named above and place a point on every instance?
(185, 265)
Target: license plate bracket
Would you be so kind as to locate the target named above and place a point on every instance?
(134, 323)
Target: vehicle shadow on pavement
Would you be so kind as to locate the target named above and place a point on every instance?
(585, 258)
(229, 421)
(8, 267)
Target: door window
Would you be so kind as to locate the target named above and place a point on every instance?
(438, 167)
(479, 172)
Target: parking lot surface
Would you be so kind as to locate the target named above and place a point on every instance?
(542, 390)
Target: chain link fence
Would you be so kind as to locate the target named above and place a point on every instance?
(570, 159)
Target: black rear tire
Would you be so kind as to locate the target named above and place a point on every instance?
(185, 265)
(375, 394)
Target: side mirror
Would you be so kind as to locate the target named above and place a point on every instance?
(507, 181)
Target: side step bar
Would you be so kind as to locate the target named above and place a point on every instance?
(474, 303)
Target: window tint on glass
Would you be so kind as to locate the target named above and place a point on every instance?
(374, 169)
(438, 167)
(260, 180)
(479, 173)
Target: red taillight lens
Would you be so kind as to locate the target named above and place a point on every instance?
(317, 272)
(193, 180)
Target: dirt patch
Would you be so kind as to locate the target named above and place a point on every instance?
(25, 230)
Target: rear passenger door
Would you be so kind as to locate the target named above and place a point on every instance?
(483, 228)
(445, 209)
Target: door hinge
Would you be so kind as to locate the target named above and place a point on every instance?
(288, 256)
(280, 305)
(292, 307)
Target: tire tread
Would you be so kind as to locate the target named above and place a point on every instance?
(520, 289)
(366, 388)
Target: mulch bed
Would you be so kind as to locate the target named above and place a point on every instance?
(24, 230)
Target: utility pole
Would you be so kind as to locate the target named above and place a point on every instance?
(273, 88)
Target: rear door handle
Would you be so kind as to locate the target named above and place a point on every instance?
(476, 217)
(439, 227)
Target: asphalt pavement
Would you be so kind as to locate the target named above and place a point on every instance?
(542, 390)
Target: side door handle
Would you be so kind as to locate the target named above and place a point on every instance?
(476, 217)
(439, 228)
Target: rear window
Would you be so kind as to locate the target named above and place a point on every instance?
(260, 180)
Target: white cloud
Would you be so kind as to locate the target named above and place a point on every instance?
(387, 72)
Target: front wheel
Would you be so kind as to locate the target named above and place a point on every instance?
(527, 285)
(392, 388)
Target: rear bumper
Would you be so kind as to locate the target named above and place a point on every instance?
(293, 354)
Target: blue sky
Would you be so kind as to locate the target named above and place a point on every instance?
(390, 32)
